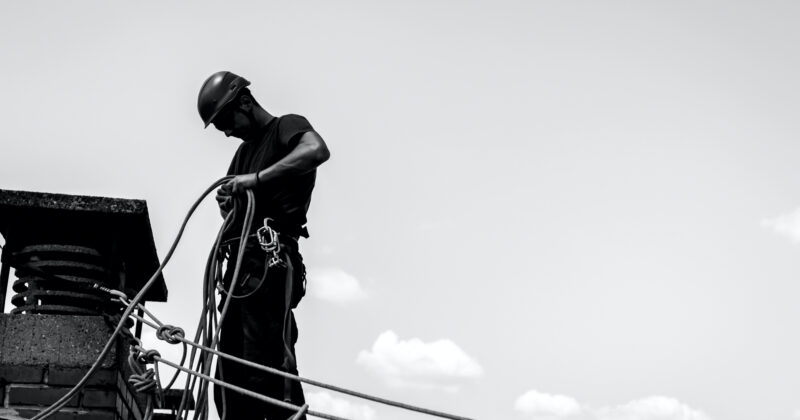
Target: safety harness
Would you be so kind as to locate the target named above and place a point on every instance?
(268, 239)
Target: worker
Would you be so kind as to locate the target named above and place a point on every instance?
(277, 160)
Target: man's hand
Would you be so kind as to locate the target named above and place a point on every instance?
(239, 184)
(224, 201)
(236, 185)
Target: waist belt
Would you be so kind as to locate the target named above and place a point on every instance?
(292, 231)
(283, 232)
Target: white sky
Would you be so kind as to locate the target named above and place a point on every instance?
(581, 210)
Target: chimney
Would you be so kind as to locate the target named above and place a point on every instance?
(59, 245)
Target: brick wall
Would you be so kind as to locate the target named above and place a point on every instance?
(43, 356)
(106, 396)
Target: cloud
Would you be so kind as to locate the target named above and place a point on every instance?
(440, 364)
(785, 224)
(334, 285)
(326, 403)
(546, 406)
(796, 414)
(651, 408)
(541, 406)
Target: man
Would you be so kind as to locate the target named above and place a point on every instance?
(277, 160)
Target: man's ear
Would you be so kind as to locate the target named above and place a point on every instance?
(246, 102)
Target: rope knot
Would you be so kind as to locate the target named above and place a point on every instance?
(144, 382)
(148, 356)
(170, 333)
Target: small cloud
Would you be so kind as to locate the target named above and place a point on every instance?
(651, 408)
(334, 285)
(547, 406)
(542, 406)
(326, 403)
(412, 363)
(785, 224)
(796, 414)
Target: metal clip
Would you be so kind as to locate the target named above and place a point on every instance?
(268, 239)
(276, 260)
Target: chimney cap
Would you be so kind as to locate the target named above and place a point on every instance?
(119, 226)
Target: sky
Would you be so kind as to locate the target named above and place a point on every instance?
(581, 210)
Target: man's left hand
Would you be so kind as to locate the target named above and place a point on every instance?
(240, 183)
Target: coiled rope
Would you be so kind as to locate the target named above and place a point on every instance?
(146, 381)
(61, 402)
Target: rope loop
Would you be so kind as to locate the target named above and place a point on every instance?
(169, 333)
(144, 382)
(148, 356)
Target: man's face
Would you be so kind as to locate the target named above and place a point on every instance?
(232, 121)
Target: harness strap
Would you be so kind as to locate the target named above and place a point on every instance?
(283, 256)
(289, 361)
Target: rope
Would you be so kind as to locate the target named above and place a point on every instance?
(246, 226)
(61, 402)
(303, 410)
(252, 292)
(247, 392)
(306, 380)
(145, 381)
(208, 301)
(169, 333)
(148, 380)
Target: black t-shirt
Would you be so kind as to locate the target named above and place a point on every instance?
(285, 199)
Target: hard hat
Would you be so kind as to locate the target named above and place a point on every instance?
(217, 91)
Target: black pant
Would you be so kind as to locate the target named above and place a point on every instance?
(253, 329)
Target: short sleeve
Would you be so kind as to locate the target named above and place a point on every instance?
(291, 127)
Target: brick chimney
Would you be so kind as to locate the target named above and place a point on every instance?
(55, 330)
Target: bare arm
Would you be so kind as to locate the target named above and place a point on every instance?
(310, 152)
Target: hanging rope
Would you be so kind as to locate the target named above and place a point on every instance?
(61, 402)
(157, 324)
(205, 322)
(246, 392)
(148, 380)
(246, 226)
